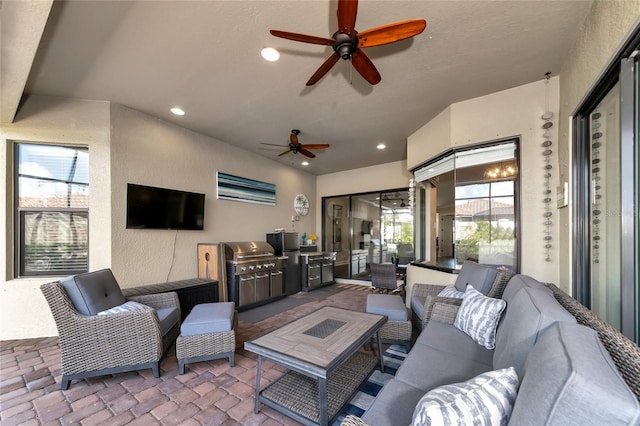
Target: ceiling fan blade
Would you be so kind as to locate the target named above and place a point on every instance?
(284, 153)
(307, 153)
(391, 33)
(324, 68)
(272, 144)
(365, 67)
(316, 146)
(294, 139)
(347, 11)
(303, 37)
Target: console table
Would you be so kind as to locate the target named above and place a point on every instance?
(190, 292)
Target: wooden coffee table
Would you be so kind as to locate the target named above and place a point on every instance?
(325, 368)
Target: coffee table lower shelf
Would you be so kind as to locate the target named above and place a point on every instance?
(296, 395)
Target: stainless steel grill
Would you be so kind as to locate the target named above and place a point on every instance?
(254, 273)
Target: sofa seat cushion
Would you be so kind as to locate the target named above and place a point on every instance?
(93, 292)
(394, 404)
(427, 368)
(388, 305)
(569, 378)
(484, 400)
(168, 317)
(448, 339)
(481, 277)
(528, 315)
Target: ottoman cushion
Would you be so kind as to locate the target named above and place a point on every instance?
(387, 304)
(208, 318)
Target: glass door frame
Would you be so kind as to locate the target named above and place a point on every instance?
(621, 70)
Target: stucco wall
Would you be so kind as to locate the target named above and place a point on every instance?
(510, 113)
(148, 151)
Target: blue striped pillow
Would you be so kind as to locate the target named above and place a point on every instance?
(478, 317)
(486, 399)
(450, 291)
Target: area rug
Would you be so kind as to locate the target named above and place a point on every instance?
(393, 358)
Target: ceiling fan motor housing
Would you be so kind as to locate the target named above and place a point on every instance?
(345, 45)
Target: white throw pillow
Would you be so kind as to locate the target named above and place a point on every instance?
(478, 317)
(486, 399)
(130, 306)
(450, 291)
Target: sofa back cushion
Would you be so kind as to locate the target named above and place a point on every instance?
(529, 313)
(93, 292)
(569, 378)
(481, 277)
(518, 282)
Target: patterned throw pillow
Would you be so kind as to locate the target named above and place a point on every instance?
(125, 307)
(450, 291)
(484, 400)
(478, 317)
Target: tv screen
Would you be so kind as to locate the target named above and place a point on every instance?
(159, 208)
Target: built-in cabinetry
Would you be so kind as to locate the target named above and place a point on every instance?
(358, 261)
(317, 269)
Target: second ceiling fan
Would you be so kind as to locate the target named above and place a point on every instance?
(347, 42)
(296, 147)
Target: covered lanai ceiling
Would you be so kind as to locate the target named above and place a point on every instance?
(204, 56)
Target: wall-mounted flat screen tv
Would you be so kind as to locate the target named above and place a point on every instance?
(159, 208)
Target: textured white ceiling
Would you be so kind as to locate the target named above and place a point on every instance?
(205, 57)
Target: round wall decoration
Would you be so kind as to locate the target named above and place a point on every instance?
(301, 204)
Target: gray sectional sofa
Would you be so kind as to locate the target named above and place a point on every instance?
(564, 373)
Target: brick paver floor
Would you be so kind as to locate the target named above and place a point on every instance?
(209, 393)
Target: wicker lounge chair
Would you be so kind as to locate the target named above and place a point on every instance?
(96, 345)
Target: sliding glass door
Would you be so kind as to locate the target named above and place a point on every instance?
(372, 227)
(606, 195)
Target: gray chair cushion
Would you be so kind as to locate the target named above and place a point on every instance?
(168, 317)
(93, 292)
(394, 404)
(481, 277)
(388, 305)
(528, 315)
(417, 305)
(208, 318)
(570, 379)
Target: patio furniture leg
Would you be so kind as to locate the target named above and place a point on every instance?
(324, 401)
(380, 351)
(256, 409)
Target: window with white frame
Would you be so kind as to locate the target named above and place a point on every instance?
(52, 209)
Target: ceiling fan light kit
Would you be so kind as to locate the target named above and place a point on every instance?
(347, 42)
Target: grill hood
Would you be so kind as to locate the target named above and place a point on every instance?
(245, 250)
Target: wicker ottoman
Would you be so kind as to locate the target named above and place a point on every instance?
(208, 332)
(398, 327)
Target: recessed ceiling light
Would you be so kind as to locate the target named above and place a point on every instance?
(381, 146)
(270, 54)
(305, 163)
(177, 111)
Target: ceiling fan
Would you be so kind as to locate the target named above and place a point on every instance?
(347, 42)
(296, 147)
